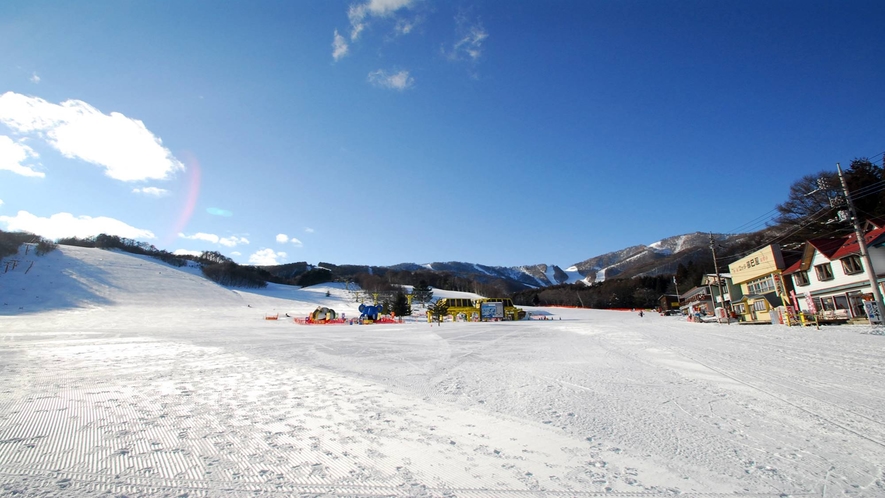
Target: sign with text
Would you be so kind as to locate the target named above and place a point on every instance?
(762, 262)
(491, 311)
(872, 312)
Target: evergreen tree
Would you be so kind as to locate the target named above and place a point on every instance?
(423, 293)
(438, 310)
(401, 305)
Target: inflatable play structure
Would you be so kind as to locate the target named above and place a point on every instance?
(321, 316)
(373, 314)
(370, 313)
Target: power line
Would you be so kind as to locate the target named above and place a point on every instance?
(754, 221)
(869, 190)
(763, 219)
(804, 224)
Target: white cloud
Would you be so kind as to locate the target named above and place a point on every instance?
(236, 253)
(359, 13)
(67, 225)
(152, 191)
(232, 241)
(339, 46)
(267, 257)
(123, 146)
(470, 37)
(283, 238)
(34, 78)
(208, 237)
(1, 202)
(12, 156)
(398, 81)
(308, 230)
(405, 26)
(186, 252)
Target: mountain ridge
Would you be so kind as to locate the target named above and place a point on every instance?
(660, 257)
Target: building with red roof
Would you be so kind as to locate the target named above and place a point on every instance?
(830, 280)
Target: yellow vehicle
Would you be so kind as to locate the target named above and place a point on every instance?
(471, 309)
(458, 306)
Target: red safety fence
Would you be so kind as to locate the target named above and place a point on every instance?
(585, 308)
(308, 321)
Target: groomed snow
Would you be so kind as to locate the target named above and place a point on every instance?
(121, 375)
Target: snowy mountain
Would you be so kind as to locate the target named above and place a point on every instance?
(661, 257)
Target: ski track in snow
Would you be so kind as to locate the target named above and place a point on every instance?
(190, 391)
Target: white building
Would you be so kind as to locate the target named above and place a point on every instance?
(831, 280)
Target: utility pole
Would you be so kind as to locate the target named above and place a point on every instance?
(864, 251)
(678, 297)
(719, 282)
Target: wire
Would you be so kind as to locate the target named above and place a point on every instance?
(804, 224)
(760, 220)
(763, 219)
(868, 190)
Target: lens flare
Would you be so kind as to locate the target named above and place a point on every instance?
(193, 193)
(219, 212)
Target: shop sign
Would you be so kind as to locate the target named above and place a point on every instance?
(761, 262)
(872, 311)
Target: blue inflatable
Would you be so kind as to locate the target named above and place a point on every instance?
(371, 312)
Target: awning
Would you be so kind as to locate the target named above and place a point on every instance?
(773, 299)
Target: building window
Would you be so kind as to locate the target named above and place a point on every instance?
(761, 285)
(824, 272)
(740, 309)
(851, 265)
(801, 278)
(759, 305)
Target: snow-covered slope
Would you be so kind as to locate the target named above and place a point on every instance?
(123, 376)
(77, 278)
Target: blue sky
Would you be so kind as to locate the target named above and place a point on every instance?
(388, 131)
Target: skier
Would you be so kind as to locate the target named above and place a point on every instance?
(640, 314)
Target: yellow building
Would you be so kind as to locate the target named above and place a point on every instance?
(760, 277)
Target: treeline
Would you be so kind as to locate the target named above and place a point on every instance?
(11, 241)
(382, 279)
(639, 292)
(104, 241)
